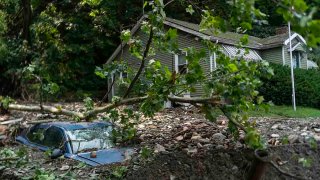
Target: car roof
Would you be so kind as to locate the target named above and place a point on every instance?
(75, 125)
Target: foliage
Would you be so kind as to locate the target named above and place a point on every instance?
(16, 158)
(286, 111)
(42, 174)
(127, 120)
(88, 103)
(5, 101)
(118, 172)
(278, 89)
(306, 162)
(146, 152)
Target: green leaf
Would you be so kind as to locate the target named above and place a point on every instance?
(189, 9)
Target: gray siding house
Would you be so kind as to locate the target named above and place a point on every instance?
(274, 49)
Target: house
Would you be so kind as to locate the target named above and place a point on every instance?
(274, 49)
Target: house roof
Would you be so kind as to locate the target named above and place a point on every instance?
(228, 38)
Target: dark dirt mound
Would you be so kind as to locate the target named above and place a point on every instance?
(230, 164)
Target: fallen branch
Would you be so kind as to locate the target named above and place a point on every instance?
(12, 121)
(9, 159)
(49, 109)
(215, 101)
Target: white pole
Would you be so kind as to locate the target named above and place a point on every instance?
(292, 75)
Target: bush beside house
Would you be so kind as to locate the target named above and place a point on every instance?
(278, 89)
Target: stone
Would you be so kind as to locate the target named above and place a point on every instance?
(191, 150)
(195, 137)
(64, 168)
(316, 137)
(304, 134)
(275, 135)
(293, 138)
(204, 140)
(179, 138)
(281, 127)
(317, 130)
(159, 148)
(238, 145)
(220, 147)
(305, 128)
(141, 126)
(218, 138)
(275, 126)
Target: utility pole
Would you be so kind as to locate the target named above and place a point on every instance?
(292, 75)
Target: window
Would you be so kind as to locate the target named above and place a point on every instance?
(181, 64)
(36, 135)
(51, 137)
(296, 58)
(213, 62)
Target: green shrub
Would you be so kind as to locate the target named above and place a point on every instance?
(278, 89)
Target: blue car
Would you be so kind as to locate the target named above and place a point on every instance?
(86, 142)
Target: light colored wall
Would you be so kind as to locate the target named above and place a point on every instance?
(273, 55)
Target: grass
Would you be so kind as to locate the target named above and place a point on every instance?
(287, 111)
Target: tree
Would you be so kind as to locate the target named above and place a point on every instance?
(232, 87)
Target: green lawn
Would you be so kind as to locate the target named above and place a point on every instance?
(287, 111)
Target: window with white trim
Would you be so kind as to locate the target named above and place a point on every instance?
(213, 62)
(181, 63)
(296, 58)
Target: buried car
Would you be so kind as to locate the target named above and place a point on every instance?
(89, 142)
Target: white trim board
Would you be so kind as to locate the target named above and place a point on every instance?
(283, 57)
(294, 36)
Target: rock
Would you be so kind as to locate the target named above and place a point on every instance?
(206, 140)
(293, 138)
(275, 135)
(275, 126)
(159, 148)
(172, 177)
(220, 147)
(305, 128)
(179, 138)
(238, 145)
(185, 128)
(316, 137)
(218, 138)
(152, 127)
(141, 126)
(195, 137)
(235, 168)
(192, 150)
(317, 130)
(304, 134)
(281, 127)
(64, 167)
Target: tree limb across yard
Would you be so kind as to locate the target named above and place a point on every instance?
(58, 110)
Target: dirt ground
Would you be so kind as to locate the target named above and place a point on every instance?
(180, 143)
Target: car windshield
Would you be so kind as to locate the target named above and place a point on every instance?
(88, 139)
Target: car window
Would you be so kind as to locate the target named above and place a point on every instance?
(36, 135)
(51, 137)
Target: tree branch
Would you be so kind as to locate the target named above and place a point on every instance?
(145, 54)
(49, 109)
(108, 107)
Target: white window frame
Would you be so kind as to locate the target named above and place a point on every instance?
(213, 62)
(176, 68)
